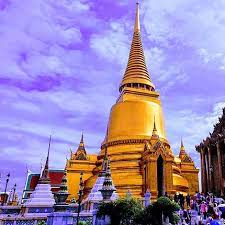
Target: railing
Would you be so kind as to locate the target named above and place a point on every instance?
(22, 221)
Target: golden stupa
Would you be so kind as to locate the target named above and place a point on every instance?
(141, 156)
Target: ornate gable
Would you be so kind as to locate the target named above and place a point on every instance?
(187, 159)
(81, 153)
(183, 155)
(157, 147)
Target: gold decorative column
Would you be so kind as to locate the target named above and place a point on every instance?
(152, 172)
(168, 176)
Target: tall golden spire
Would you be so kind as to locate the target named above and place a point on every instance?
(137, 27)
(137, 72)
(182, 149)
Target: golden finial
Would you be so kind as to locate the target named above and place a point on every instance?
(137, 27)
(71, 154)
(82, 138)
(182, 149)
(182, 145)
(154, 131)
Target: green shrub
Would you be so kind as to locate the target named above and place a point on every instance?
(129, 211)
(41, 222)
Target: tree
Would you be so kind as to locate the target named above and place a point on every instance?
(121, 212)
(163, 207)
(153, 214)
(129, 211)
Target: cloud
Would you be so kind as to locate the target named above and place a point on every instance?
(62, 62)
(112, 44)
(39, 42)
(189, 34)
(191, 125)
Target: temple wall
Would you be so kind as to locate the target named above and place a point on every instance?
(125, 168)
(192, 178)
(74, 168)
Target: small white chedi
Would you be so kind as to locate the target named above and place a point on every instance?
(42, 196)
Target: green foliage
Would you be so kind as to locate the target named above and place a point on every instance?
(84, 223)
(130, 211)
(41, 222)
(175, 219)
(145, 217)
(121, 212)
(164, 206)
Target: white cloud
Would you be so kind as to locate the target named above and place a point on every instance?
(29, 44)
(198, 25)
(112, 44)
(192, 126)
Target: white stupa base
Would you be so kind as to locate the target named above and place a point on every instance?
(41, 197)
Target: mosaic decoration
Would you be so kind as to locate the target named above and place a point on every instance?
(8, 222)
(25, 222)
(40, 210)
(10, 211)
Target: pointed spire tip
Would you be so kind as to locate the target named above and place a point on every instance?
(154, 131)
(82, 138)
(137, 27)
(182, 144)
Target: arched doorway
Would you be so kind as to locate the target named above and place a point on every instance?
(160, 176)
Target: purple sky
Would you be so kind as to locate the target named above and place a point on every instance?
(62, 62)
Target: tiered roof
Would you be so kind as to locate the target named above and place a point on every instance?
(136, 71)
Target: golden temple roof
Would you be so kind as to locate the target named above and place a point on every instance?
(182, 150)
(183, 155)
(81, 153)
(136, 71)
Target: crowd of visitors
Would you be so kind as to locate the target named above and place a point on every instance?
(201, 209)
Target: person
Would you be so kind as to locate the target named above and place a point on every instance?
(208, 220)
(181, 200)
(176, 197)
(203, 209)
(166, 195)
(188, 200)
(210, 211)
(216, 212)
(214, 222)
(186, 216)
(189, 212)
(198, 196)
(195, 217)
(222, 209)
